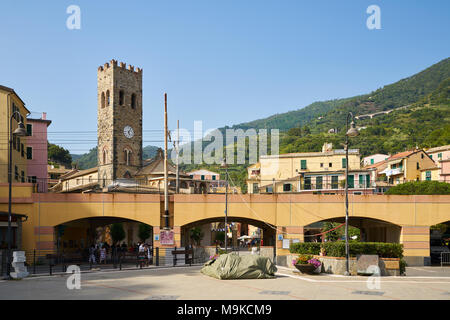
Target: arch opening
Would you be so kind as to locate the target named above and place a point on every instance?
(243, 233)
(360, 228)
(76, 236)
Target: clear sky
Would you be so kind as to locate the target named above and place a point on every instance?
(220, 61)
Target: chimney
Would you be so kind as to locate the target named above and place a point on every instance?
(44, 116)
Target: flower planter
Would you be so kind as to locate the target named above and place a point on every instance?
(306, 268)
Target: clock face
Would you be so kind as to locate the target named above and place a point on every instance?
(128, 132)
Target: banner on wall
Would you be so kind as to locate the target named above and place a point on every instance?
(166, 237)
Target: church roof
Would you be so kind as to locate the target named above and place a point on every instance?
(155, 166)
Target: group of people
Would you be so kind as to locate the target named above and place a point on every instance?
(100, 251)
(145, 253)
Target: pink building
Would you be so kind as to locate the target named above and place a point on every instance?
(441, 156)
(37, 155)
(445, 170)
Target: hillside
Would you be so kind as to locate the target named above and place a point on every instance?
(89, 160)
(333, 112)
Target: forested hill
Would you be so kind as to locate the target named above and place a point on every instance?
(325, 115)
(89, 160)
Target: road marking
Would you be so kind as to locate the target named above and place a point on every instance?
(365, 281)
(422, 269)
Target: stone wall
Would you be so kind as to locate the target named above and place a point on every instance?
(337, 265)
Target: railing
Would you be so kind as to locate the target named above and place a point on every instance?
(40, 262)
(445, 258)
(326, 186)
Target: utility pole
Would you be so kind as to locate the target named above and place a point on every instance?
(178, 150)
(166, 184)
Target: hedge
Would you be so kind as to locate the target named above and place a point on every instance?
(337, 248)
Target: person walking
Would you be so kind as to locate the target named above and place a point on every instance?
(103, 255)
(149, 250)
(92, 254)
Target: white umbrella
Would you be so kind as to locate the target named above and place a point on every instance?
(244, 237)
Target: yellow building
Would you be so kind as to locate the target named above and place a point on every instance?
(294, 172)
(430, 174)
(406, 166)
(10, 102)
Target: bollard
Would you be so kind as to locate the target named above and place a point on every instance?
(157, 256)
(174, 256)
(34, 261)
(120, 262)
(50, 265)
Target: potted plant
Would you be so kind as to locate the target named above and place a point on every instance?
(306, 264)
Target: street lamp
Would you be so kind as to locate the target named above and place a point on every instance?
(352, 132)
(19, 132)
(225, 165)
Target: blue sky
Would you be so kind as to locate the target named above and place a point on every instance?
(220, 61)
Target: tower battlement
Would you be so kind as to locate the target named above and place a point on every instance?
(113, 63)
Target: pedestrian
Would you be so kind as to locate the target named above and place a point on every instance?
(103, 255)
(149, 255)
(92, 254)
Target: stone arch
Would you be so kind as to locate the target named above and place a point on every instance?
(372, 230)
(268, 230)
(121, 97)
(108, 98)
(133, 101)
(102, 100)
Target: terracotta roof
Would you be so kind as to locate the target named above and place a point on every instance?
(403, 154)
(430, 168)
(376, 165)
(437, 149)
(82, 173)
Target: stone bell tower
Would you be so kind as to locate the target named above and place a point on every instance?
(119, 121)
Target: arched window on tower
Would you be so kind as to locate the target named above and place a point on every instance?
(121, 95)
(107, 97)
(127, 156)
(103, 100)
(133, 101)
(104, 157)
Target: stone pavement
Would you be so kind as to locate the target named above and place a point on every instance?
(189, 283)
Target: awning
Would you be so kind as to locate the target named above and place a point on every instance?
(395, 161)
(391, 172)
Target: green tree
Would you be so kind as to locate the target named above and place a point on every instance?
(59, 154)
(332, 235)
(144, 231)
(196, 234)
(117, 232)
(421, 187)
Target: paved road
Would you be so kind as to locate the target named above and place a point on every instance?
(189, 283)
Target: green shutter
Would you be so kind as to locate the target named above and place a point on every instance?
(29, 129)
(334, 182)
(344, 163)
(368, 181)
(351, 181)
(303, 164)
(319, 182)
(361, 180)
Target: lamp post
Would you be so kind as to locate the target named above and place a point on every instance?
(19, 132)
(352, 132)
(225, 165)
